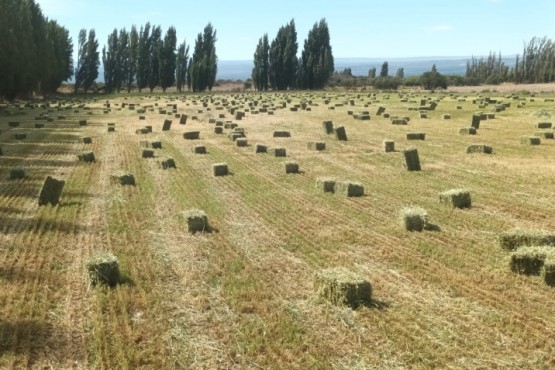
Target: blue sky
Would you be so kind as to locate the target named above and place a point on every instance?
(358, 28)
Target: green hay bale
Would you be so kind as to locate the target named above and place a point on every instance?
(349, 189)
(291, 167)
(326, 184)
(17, 173)
(197, 220)
(122, 178)
(456, 198)
(544, 125)
(479, 148)
(475, 121)
(104, 269)
(147, 153)
(389, 146)
(530, 140)
(446, 116)
(514, 239)
(83, 122)
(412, 160)
(167, 125)
(467, 131)
(416, 136)
(166, 163)
(316, 145)
(220, 169)
(328, 127)
(282, 134)
(278, 152)
(14, 124)
(218, 130)
(260, 148)
(414, 218)
(20, 136)
(544, 134)
(86, 157)
(340, 286)
(529, 260)
(340, 133)
(51, 191)
(39, 125)
(199, 149)
(191, 135)
(242, 142)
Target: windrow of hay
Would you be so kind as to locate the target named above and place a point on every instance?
(340, 286)
(514, 239)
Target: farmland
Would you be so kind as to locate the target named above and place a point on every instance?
(242, 295)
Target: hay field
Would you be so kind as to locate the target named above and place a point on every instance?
(242, 296)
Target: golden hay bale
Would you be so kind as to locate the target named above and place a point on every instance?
(166, 163)
(220, 169)
(147, 153)
(191, 135)
(549, 269)
(340, 133)
(197, 220)
(326, 184)
(530, 259)
(278, 152)
(416, 136)
(199, 149)
(467, 131)
(414, 218)
(456, 198)
(291, 167)
(514, 239)
(412, 160)
(167, 125)
(282, 134)
(340, 286)
(389, 146)
(479, 148)
(261, 148)
(349, 189)
(316, 145)
(242, 142)
(86, 157)
(51, 191)
(122, 178)
(104, 269)
(530, 140)
(328, 127)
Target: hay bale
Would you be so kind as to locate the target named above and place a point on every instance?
(446, 116)
(156, 144)
(234, 135)
(51, 191)
(83, 122)
(14, 123)
(242, 142)
(399, 121)
(20, 136)
(261, 148)
(475, 121)
(389, 146)
(111, 129)
(412, 161)
(218, 130)
(340, 286)
(529, 260)
(381, 109)
(104, 269)
(122, 178)
(39, 125)
(291, 167)
(456, 198)
(479, 148)
(340, 133)
(167, 125)
(423, 115)
(17, 173)
(545, 134)
(191, 135)
(220, 169)
(282, 134)
(316, 145)
(416, 136)
(328, 127)
(147, 153)
(549, 269)
(278, 152)
(197, 220)
(514, 239)
(530, 140)
(467, 131)
(199, 149)
(326, 184)
(414, 218)
(349, 189)
(183, 119)
(142, 131)
(86, 157)
(166, 163)
(86, 140)
(543, 125)
(1, 151)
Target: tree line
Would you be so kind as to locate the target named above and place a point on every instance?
(35, 52)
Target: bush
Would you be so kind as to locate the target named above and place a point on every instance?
(412, 81)
(387, 83)
(433, 80)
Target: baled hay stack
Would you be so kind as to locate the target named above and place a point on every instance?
(328, 127)
(167, 125)
(467, 131)
(111, 129)
(479, 148)
(183, 119)
(543, 125)
(475, 121)
(39, 125)
(446, 116)
(514, 239)
(399, 121)
(278, 152)
(414, 218)
(20, 136)
(380, 111)
(142, 118)
(1, 151)
(86, 157)
(530, 259)
(544, 134)
(316, 145)
(104, 269)
(122, 178)
(549, 269)
(291, 167)
(220, 169)
(416, 136)
(51, 191)
(456, 198)
(83, 122)
(234, 135)
(326, 184)
(530, 140)
(242, 142)
(17, 173)
(349, 189)
(156, 144)
(340, 133)
(166, 163)
(340, 286)
(14, 124)
(191, 135)
(389, 146)
(282, 134)
(86, 140)
(218, 130)
(142, 131)
(197, 220)
(199, 149)
(412, 160)
(261, 148)
(423, 115)
(147, 153)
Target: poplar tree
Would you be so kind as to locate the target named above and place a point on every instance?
(154, 58)
(203, 66)
(317, 65)
(168, 59)
(181, 66)
(261, 69)
(132, 56)
(143, 57)
(283, 58)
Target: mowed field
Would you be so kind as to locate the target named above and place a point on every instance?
(242, 296)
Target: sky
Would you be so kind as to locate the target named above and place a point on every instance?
(358, 28)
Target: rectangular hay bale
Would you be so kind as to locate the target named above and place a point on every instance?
(349, 189)
(340, 286)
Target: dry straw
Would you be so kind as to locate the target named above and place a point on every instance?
(340, 286)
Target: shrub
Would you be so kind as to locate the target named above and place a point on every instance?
(387, 83)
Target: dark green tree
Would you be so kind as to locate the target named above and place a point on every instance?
(400, 73)
(81, 56)
(283, 58)
(260, 71)
(154, 57)
(92, 61)
(372, 72)
(433, 80)
(181, 66)
(316, 66)
(143, 57)
(168, 59)
(131, 58)
(110, 62)
(123, 59)
(61, 66)
(204, 64)
(384, 72)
